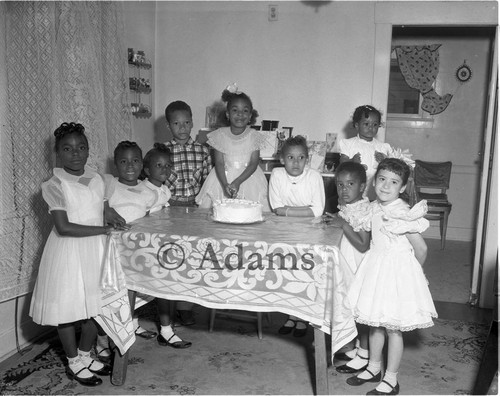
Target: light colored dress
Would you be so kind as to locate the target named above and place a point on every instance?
(67, 287)
(307, 189)
(163, 195)
(390, 289)
(351, 256)
(352, 146)
(131, 202)
(237, 150)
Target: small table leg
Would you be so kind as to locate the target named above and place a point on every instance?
(320, 362)
(120, 362)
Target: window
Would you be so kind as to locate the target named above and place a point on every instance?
(404, 103)
(403, 99)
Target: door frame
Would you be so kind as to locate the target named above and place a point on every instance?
(437, 14)
(486, 244)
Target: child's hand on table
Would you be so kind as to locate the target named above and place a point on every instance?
(333, 220)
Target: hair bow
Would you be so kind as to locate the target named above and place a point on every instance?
(233, 88)
(403, 155)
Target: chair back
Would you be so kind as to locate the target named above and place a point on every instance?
(434, 175)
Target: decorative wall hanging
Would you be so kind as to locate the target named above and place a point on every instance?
(419, 65)
(464, 73)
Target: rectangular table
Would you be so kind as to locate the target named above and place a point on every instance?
(283, 264)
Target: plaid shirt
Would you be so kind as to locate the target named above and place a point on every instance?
(191, 165)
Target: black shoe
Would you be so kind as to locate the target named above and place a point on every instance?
(91, 381)
(106, 359)
(147, 334)
(356, 381)
(345, 369)
(178, 344)
(300, 332)
(185, 317)
(105, 370)
(394, 391)
(342, 356)
(287, 329)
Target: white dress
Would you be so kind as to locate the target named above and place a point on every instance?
(352, 257)
(237, 150)
(131, 202)
(163, 195)
(390, 289)
(367, 149)
(67, 286)
(307, 189)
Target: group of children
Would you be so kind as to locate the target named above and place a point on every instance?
(382, 245)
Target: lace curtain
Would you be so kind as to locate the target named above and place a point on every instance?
(59, 62)
(419, 65)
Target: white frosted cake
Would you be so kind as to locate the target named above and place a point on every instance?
(237, 211)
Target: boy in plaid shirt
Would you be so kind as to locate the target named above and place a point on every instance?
(191, 160)
(191, 164)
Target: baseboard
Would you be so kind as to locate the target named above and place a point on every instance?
(452, 233)
(26, 338)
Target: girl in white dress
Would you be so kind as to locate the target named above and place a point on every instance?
(237, 154)
(390, 292)
(365, 148)
(67, 287)
(157, 167)
(133, 199)
(350, 178)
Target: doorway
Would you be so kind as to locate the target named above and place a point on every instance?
(456, 134)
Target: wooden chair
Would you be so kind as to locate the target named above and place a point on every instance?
(240, 315)
(432, 180)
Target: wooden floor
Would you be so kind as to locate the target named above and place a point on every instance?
(465, 312)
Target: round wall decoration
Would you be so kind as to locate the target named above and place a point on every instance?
(464, 73)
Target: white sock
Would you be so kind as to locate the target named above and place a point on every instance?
(373, 367)
(135, 321)
(75, 365)
(102, 346)
(360, 360)
(87, 360)
(289, 323)
(167, 332)
(391, 378)
(301, 325)
(352, 353)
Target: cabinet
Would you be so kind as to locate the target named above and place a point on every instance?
(140, 82)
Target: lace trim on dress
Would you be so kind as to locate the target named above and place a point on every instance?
(358, 214)
(220, 140)
(390, 326)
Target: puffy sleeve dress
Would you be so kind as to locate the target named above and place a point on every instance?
(67, 286)
(237, 150)
(390, 289)
(354, 214)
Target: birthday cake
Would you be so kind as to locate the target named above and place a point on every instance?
(237, 211)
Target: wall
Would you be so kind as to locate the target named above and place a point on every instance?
(459, 128)
(140, 33)
(303, 71)
(295, 69)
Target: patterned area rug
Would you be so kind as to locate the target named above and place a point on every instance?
(232, 360)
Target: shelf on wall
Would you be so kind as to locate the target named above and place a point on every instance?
(142, 114)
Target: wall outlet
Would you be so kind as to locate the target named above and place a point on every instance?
(273, 13)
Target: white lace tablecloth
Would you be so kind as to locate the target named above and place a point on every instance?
(284, 264)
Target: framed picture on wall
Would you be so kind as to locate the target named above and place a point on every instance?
(269, 148)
